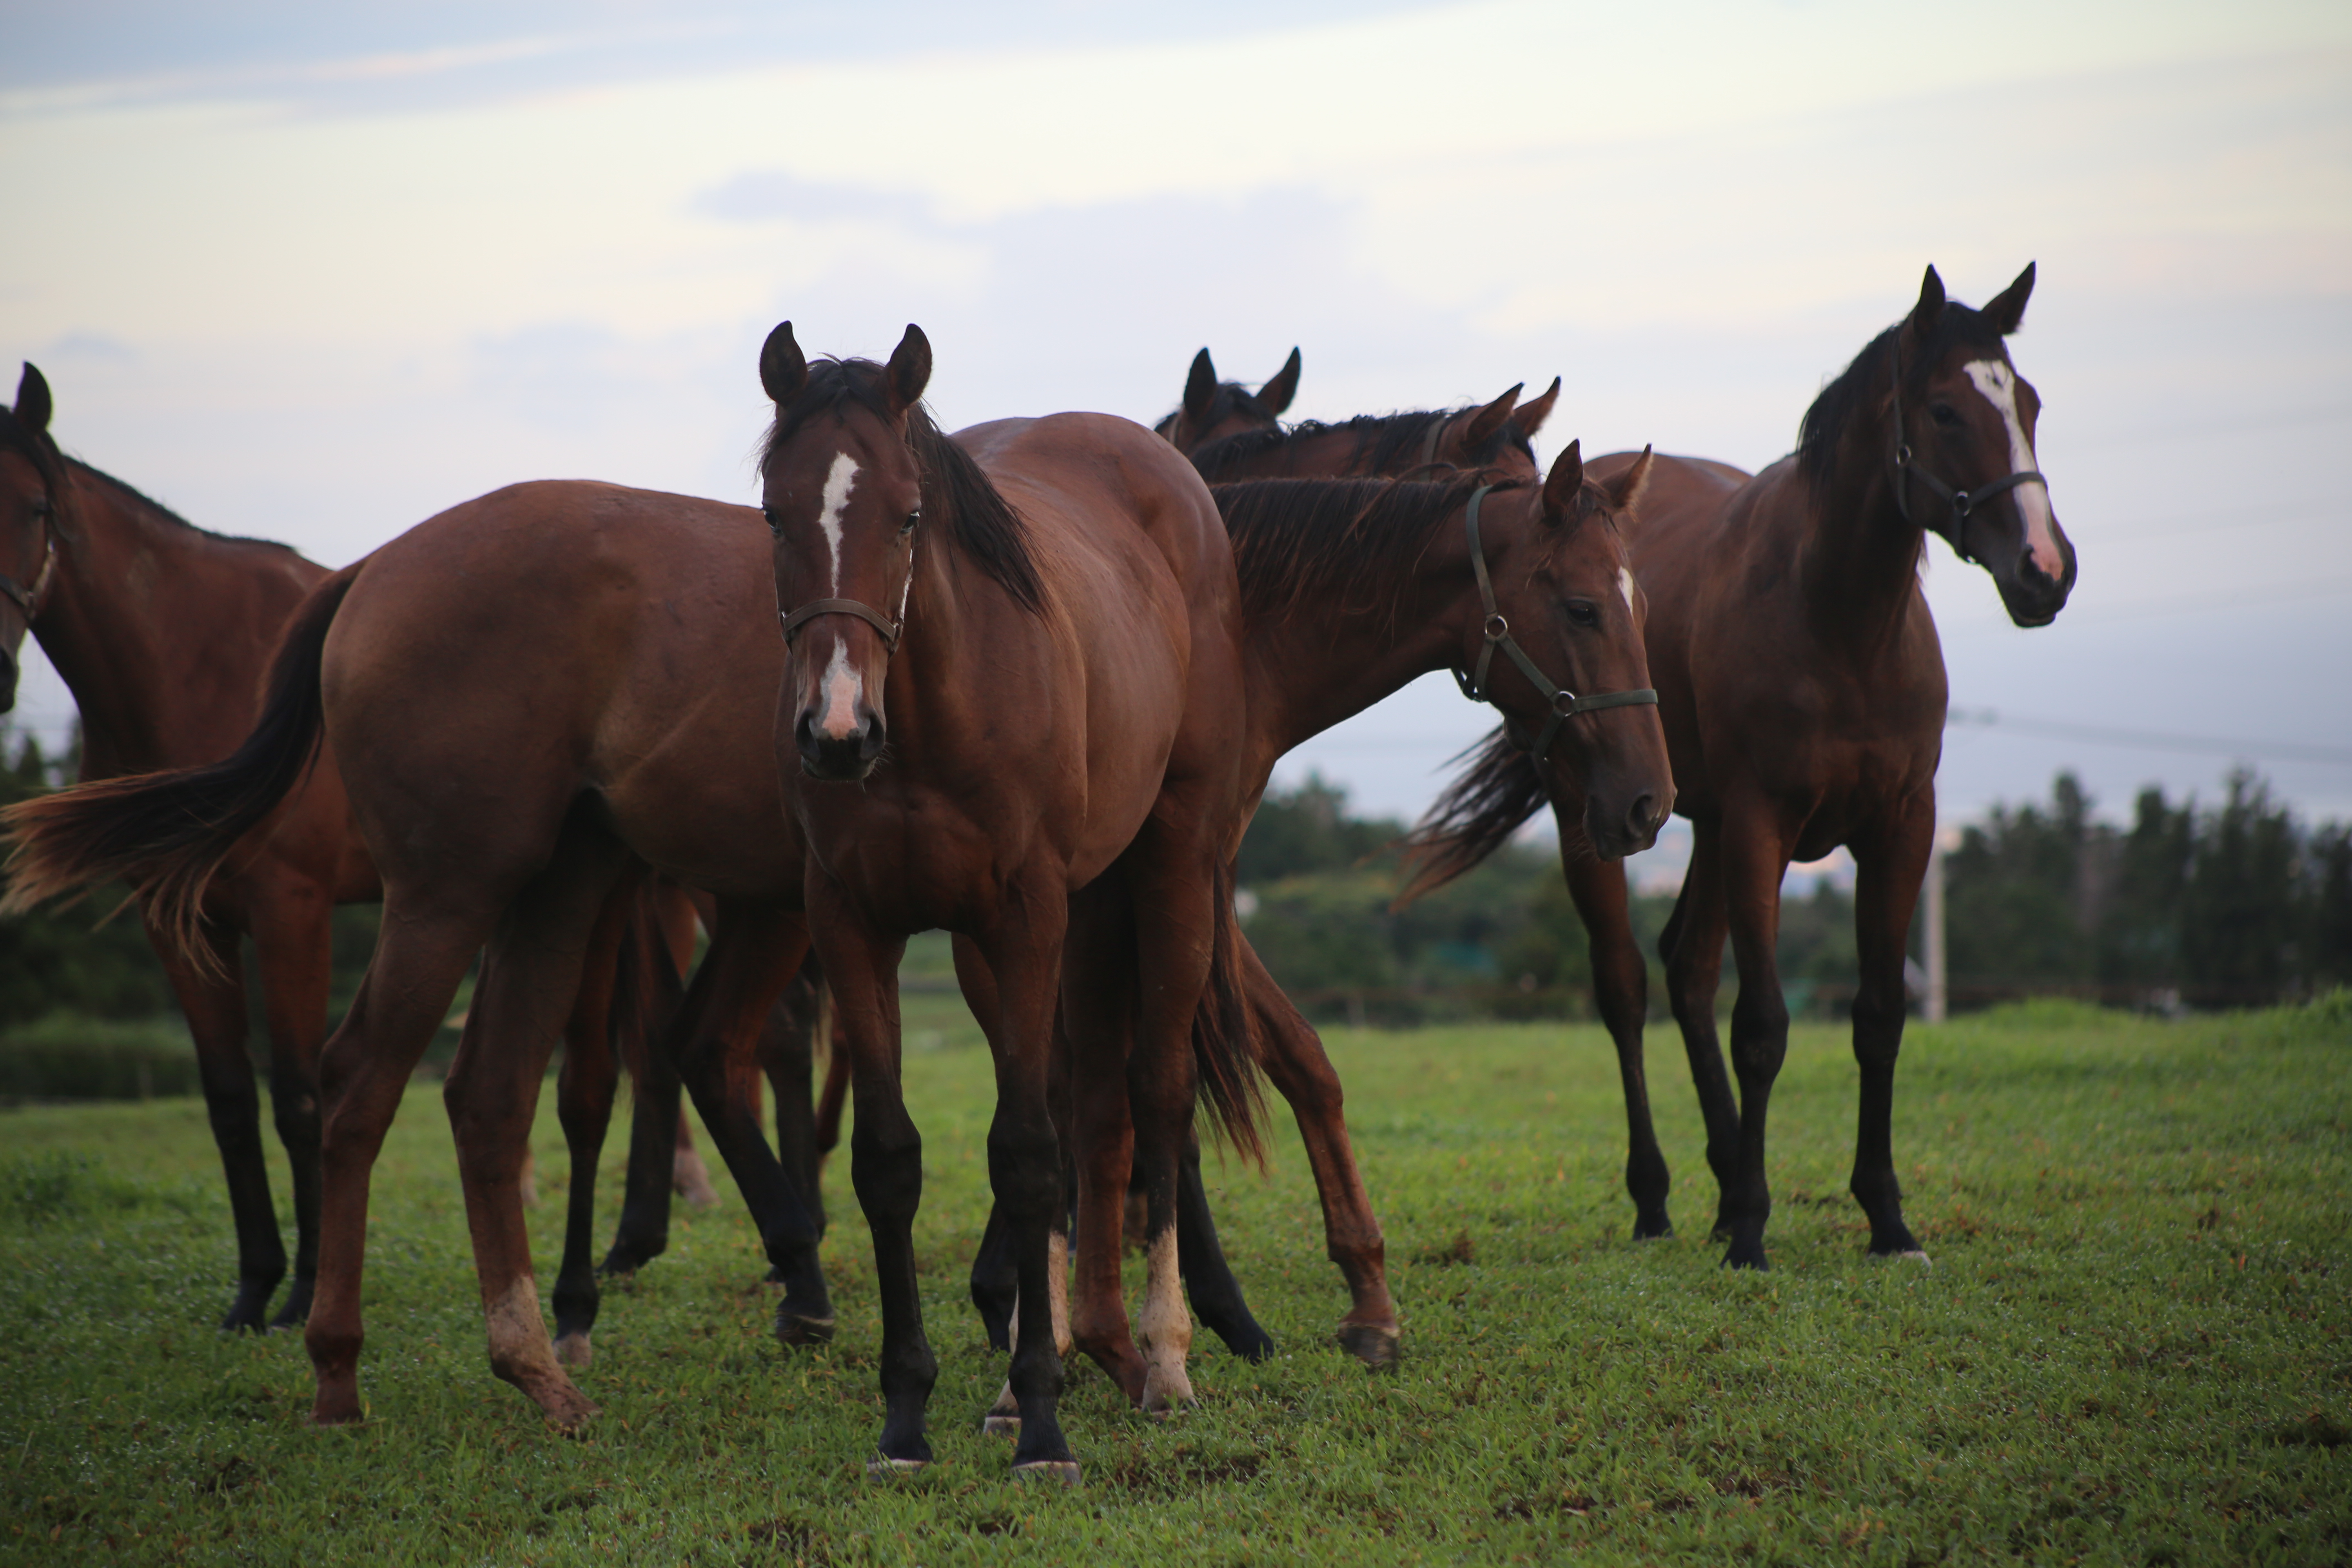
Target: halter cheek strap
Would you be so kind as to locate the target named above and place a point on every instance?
(1565, 704)
(1960, 503)
(27, 600)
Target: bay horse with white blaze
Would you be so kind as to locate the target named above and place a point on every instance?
(1802, 687)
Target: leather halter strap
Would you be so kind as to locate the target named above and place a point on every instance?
(1959, 502)
(1565, 704)
(890, 628)
(27, 600)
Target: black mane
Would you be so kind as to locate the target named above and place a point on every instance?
(1823, 430)
(1292, 537)
(956, 493)
(1383, 443)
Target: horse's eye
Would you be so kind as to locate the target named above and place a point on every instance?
(1582, 613)
(1944, 414)
(912, 517)
(776, 524)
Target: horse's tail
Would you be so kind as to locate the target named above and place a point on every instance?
(1475, 816)
(1224, 1045)
(169, 832)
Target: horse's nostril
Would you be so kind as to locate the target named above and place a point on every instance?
(1644, 814)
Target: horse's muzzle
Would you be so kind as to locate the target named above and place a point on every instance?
(1629, 831)
(841, 759)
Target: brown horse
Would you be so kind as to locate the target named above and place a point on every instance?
(1802, 687)
(173, 679)
(161, 631)
(1214, 409)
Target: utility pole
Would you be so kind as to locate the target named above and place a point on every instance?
(1939, 1001)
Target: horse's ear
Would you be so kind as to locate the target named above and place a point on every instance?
(1624, 490)
(784, 369)
(1489, 419)
(1529, 415)
(1564, 486)
(1199, 388)
(2006, 310)
(1276, 394)
(910, 369)
(33, 397)
(1931, 308)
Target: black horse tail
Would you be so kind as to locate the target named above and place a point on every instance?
(1476, 815)
(168, 833)
(1224, 1039)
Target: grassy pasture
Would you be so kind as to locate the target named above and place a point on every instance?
(2132, 1346)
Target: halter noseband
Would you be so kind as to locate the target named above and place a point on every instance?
(1961, 502)
(890, 628)
(1565, 704)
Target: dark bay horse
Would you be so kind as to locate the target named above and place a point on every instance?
(1213, 408)
(1803, 687)
(163, 632)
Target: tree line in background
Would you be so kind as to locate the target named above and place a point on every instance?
(2235, 903)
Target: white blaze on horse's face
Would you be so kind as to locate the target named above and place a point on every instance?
(830, 506)
(1998, 382)
(1625, 586)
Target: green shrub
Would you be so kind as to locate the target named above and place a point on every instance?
(66, 1056)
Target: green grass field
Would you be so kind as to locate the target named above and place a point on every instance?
(2132, 1346)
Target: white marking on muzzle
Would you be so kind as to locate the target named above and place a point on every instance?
(841, 688)
(837, 480)
(1998, 382)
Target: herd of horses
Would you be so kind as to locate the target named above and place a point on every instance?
(1025, 684)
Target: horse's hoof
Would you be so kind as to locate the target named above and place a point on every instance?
(1657, 1229)
(792, 1329)
(1166, 1396)
(573, 1350)
(569, 1412)
(994, 1425)
(1377, 1347)
(1063, 1472)
(1747, 1255)
(883, 1465)
(1914, 1256)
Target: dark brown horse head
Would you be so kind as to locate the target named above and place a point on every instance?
(1563, 584)
(1214, 409)
(1491, 439)
(855, 479)
(32, 489)
(1957, 448)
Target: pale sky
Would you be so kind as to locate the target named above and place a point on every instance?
(315, 273)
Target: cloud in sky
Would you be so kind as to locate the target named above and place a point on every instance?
(318, 275)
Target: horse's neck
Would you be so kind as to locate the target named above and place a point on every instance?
(151, 632)
(1860, 558)
(1321, 661)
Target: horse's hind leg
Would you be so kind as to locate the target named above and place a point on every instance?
(1888, 867)
(1753, 864)
(421, 954)
(1094, 1030)
(213, 999)
(293, 946)
(995, 1283)
(1209, 1282)
(647, 1010)
(1620, 988)
(1303, 1075)
(1692, 946)
(584, 1103)
(530, 985)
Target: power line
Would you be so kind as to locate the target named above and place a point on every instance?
(2151, 739)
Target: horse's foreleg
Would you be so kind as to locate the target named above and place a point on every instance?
(885, 1164)
(788, 1060)
(1303, 1075)
(583, 1104)
(293, 947)
(530, 985)
(1754, 860)
(1692, 946)
(1620, 990)
(1888, 867)
(213, 1000)
(420, 957)
(1023, 953)
(995, 1283)
(755, 949)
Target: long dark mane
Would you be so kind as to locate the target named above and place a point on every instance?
(1821, 433)
(1381, 443)
(957, 495)
(1336, 537)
